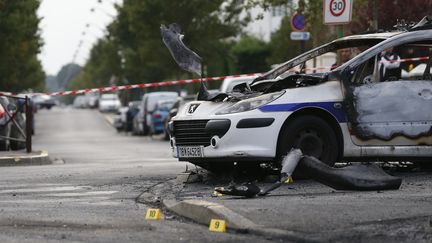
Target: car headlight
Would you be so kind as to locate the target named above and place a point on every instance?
(250, 104)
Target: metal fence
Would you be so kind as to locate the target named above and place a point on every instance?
(26, 132)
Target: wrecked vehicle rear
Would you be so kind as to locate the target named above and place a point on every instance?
(353, 109)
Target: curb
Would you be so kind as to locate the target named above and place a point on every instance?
(22, 158)
(203, 211)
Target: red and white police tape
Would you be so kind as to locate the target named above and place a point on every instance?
(168, 83)
(130, 86)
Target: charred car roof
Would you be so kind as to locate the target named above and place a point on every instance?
(345, 42)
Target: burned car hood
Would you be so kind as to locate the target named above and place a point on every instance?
(244, 91)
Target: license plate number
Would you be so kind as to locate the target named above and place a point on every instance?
(190, 152)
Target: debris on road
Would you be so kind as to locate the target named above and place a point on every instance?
(358, 177)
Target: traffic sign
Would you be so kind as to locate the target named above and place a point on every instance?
(337, 11)
(298, 22)
(302, 36)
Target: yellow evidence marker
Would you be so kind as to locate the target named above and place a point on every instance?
(289, 180)
(153, 214)
(217, 225)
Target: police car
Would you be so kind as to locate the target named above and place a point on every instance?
(345, 111)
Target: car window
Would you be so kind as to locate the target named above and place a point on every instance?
(327, 61)
(404, 62)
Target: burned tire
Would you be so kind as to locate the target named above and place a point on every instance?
(313, 135)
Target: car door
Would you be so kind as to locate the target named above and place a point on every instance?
(395, 110)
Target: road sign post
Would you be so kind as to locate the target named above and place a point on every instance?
(298, 22)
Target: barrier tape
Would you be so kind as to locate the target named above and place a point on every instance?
(129, 86)
(168, 83)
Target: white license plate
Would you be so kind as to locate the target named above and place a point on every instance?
(190, 152)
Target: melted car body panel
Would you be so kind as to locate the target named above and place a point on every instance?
(390, 109)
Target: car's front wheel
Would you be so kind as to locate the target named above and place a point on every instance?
(313, 135)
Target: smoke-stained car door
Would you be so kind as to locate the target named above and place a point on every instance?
(392, 106)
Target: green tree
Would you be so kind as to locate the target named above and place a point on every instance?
(103, 64)
(281, 46)
(20, 43)
(207, 28)
(251, 55)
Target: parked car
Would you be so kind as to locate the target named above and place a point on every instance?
(79, 101)
(92, 100)
(138, 122)
(44, 101)
(17, 133)
(109, 102)
(5, 126)
(131, 113)
(333, 115)
(9, 132)
(142, 120)
(120, 119)
(159, 116)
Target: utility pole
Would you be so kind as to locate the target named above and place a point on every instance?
(375, 7)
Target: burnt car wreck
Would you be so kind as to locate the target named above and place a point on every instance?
(369, 107)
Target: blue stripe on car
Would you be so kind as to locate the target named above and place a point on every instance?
(338, 113)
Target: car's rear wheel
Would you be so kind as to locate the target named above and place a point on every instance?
(313, 135)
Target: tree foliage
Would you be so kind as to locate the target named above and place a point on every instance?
(20, 43)
(136, 50)
(251, 54)
(133, 49)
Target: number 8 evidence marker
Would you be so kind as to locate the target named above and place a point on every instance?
(153, 214)
(217, 225)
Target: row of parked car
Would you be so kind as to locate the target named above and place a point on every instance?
(151, 114)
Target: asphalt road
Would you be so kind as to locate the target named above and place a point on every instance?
(102, 182)
(89, 193)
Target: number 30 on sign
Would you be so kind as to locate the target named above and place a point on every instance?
(337, 11)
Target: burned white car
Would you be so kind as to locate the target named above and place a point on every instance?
(366, 108)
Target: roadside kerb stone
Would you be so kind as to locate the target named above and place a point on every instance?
(202, 212)
(17, 158)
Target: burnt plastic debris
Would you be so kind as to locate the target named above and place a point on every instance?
(244, 190)
(289, 163)
(357, 177)
(185, 57)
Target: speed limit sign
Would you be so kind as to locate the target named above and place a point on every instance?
(337, 11)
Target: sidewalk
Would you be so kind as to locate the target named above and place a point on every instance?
(309, 211)
(13, 158)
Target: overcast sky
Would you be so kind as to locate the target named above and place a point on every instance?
(62, 25)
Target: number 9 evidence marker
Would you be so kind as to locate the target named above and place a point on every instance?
(217, 225)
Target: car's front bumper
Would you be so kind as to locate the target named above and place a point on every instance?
(251, 137)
